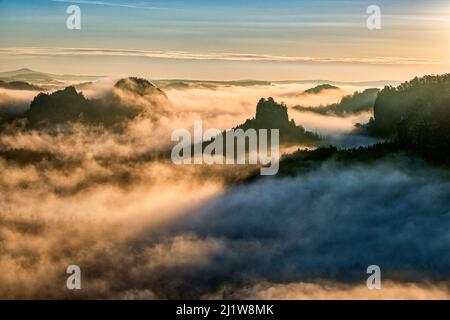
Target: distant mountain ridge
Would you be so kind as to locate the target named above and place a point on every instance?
(320, 88)
(207, 84)
(19, 85)
(350, 104)
(374, 83)
(64, 106)
(41, 78)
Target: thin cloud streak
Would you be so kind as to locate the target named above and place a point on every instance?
(109, 4)
(212, 56)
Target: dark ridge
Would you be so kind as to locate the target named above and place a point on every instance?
(62, 107)
(138, 86)
(350, 104)
(415, 114)
(19, 85)
(318, 89)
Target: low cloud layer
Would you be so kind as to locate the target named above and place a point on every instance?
(227, 106)
(140, 227)
(335, 222)
(339, 291)
(221, 107)
(14, 102)
(176, 233)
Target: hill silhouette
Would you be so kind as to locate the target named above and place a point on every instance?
(19, 85)
(207, 84)
(349, 104)
(273, 115)
(413, 118)
(25, 74)
(320, 88)
(68, 105)
(416, 113)
(43, 79)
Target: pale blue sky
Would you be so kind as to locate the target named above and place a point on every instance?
(414, 38)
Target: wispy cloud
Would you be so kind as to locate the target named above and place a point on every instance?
(110, 4)
(214, 56)
(412, 18)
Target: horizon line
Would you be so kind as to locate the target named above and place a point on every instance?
(204, 79)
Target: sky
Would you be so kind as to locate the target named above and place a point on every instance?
(224, 40)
